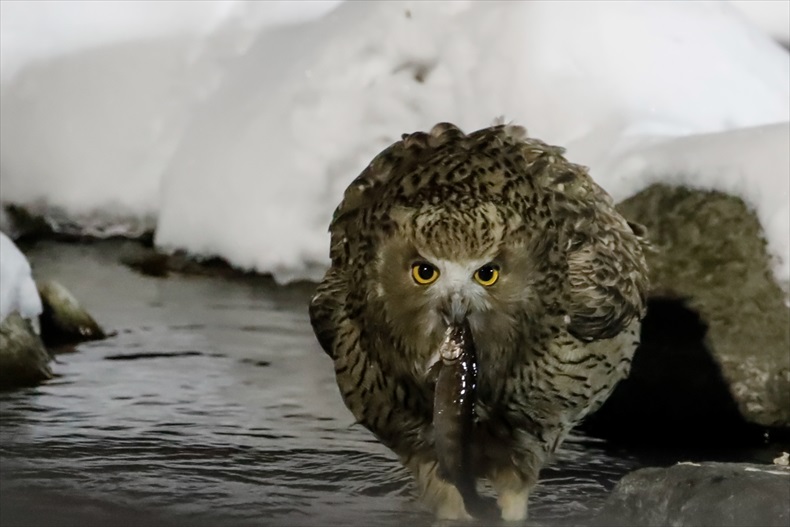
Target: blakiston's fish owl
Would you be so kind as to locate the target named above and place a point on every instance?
(501, 230)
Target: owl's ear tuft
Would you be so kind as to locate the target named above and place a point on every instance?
(638, 229)
(441, 129)
(418, 140)
(443, 133)
(353, 199)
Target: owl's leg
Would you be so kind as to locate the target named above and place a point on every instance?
(512, 490)
(511, 463)
(440, 496)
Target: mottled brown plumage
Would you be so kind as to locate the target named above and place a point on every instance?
(553, 334)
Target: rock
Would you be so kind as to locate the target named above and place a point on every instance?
(23, 359)
(40, 220)
(18, 292)
(64, 321)
(676, 395)
(146, 260)
(711, 261)
(691, 494)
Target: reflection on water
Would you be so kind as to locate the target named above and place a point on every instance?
(213, 404)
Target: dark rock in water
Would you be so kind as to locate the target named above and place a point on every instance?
(23, 359)
(691, 494)
(152, 262)
(34, 221)
(146, 260)
(64, 321)
(715, 352)
(19, 223)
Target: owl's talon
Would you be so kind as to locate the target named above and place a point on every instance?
(514, 505)
(451, 512)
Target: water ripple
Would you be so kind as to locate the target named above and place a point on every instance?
(214, 405)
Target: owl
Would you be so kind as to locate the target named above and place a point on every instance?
(498, 231)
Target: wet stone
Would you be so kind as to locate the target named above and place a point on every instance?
(23, 359)
(64, 321)
(701, 494)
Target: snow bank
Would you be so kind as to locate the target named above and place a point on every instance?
(31, 31)
(96, 95)
(259, 171)
(17, 289)
(240, 129)
(772, 16)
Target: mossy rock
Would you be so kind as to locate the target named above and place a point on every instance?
(23, 359)
(710, 251)
(64, 321)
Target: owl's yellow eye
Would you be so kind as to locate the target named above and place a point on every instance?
(487, 275)
(424, 273)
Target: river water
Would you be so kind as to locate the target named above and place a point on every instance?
(214, 405)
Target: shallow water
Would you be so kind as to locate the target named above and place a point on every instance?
(214, 405)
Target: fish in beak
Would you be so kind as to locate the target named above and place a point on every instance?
(454, 411)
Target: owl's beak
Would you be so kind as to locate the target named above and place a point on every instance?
(455, 309)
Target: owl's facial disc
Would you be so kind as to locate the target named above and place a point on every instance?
(456, 289)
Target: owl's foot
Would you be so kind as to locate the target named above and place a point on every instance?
(450, 510)
(512, 488)
(513, 505)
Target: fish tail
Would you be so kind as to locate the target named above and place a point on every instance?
(475, 504)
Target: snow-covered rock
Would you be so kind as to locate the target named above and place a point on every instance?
(96, 96)
(596, 79)
(18, 291)
(750, 163)
(236, 126)
(771, 16)
(23, 359)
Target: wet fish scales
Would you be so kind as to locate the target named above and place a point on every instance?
(454, 416)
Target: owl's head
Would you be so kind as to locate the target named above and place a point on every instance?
(444, 264)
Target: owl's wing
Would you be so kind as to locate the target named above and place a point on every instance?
(347, 247)
(326, 308)
(371, 393)
(357, 219)
(607, 276)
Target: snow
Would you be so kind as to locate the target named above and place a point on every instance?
(234, 127)
(772, 16)
(92, 119)
(18, 291)
(50, 28)
(753, 163)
